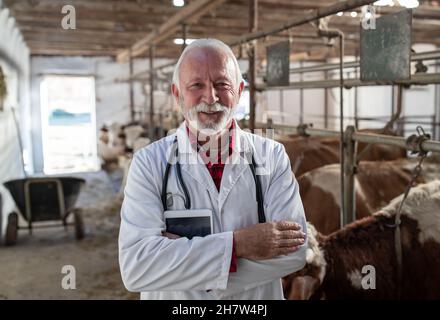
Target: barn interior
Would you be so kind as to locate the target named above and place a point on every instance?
(351, 86)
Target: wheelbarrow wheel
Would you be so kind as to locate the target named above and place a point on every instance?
(79, 224)
(12, 229)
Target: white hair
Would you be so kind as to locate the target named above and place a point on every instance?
(207, 43)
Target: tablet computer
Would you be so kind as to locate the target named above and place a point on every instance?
(189, 223)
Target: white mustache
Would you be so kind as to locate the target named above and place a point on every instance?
(215, 107)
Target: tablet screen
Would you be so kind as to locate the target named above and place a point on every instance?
(189, 226)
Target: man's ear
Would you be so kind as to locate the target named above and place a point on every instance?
(175, 92)
(240, 89)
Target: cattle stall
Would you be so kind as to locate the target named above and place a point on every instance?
(345, 94)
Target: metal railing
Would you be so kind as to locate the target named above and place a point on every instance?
(350, 137)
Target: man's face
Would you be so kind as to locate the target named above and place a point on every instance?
(208, 90)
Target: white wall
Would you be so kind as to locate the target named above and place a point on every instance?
(14, 60)
(112, 97)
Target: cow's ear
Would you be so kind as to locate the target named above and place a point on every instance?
(303, 287)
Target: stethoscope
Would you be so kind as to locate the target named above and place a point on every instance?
(187, 200)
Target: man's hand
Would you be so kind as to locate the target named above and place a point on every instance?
(169, 235)
(268, 240)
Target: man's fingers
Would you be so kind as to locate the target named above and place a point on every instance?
(170, 235)
(287, 225)
(285, 243)
(290, 234)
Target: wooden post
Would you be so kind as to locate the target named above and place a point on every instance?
(253, 25)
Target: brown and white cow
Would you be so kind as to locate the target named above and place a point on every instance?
(377, 183)
(306, 154)
(338, 264)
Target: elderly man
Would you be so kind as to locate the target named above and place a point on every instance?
(210, 165)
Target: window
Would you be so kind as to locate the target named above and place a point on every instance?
(68, 124)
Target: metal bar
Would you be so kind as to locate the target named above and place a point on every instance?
(46, 225)
(356, 100)
(428, 145)
(437, 104)
(252, 54)
(132, 114)
(312, 15)
(184, 29)
(425, 56)
(339, 34)
(151, 124)
(301, 98)
(344, 211)
(417, 79)
(349, 172)
(326, 104)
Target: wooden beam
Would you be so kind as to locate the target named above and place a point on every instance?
(197, 7)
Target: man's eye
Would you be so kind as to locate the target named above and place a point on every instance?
(222, 84)
(196, 85)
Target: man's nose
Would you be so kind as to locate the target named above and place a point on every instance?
(210, 95)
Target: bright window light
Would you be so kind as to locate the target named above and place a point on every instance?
(180, 41)
(178, 3)
(409, 3)
(354, 14)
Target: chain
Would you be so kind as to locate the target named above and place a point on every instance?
(420, 138)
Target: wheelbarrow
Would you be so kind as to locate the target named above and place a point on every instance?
(42, 200)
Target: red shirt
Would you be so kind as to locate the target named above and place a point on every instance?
(216, 172)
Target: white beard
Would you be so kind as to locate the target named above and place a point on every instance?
(209, 128)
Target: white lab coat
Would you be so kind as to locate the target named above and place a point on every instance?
(161, 268)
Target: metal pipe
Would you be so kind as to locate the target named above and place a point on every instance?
(421, 79)
(339, 34)
(312, 15)
(425, 56)
(252, 55)
(301, 98)
(326, 104)
(344, 213)
(184, 30)
(437, 105)
(151, 124)
(349, 171)
(428, 145)
(282, 105)
(132, 115)
(356, 100)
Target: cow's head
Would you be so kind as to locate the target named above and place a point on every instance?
(306, 283)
